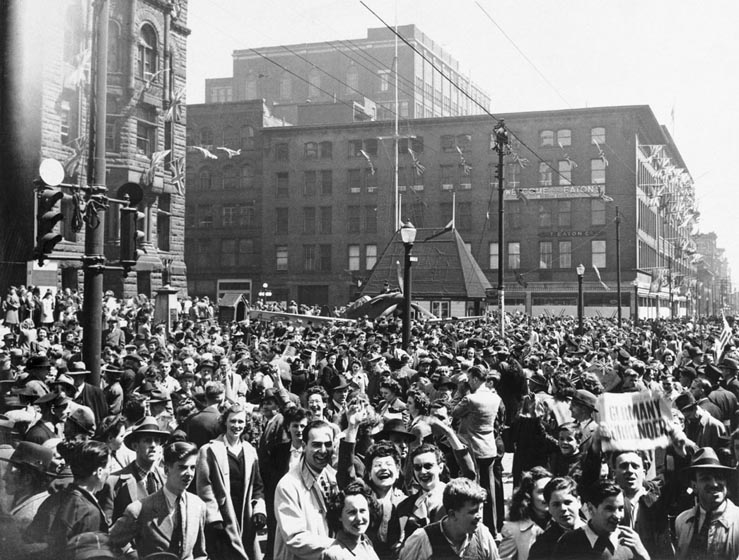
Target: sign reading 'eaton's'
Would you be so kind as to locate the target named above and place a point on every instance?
(560, 191)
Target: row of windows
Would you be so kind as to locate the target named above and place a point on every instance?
(563, 137)
(318, 258)
(230, 252)
(547, 259)
(320, 220)
(203, 215)
(228, 136)
(229, 178)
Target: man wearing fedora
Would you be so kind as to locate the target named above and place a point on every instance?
(711, 528)
(700, 427)
(86, 394)
(729, 368)
(143, 476)
(171, 520)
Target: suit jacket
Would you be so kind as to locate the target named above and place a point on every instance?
(124, 487)
(705, 431)
(214, 488)
(723, 536)
(476, 413)
(148, 524)
(727, 402)
(575, 545)
(94, 398)
(203, 426)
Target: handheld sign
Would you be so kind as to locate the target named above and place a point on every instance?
(634, 420)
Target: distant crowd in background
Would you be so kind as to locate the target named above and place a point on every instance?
(329, 440)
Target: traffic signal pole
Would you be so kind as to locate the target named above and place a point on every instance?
(94, 260)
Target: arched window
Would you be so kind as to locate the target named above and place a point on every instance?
(352, 80)
(286, 86)
(205, 180)
(314, 84)
(206, 137)
(247, 177)
(147, 62)
(229, 177)
(216, 180)
(230, 137)
(251, 86)
(247, 137)
(115, 63)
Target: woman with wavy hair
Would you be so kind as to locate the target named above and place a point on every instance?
(527, 517)
(229, 482)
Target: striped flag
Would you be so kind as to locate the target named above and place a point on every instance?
(597, 274)
(416, 164)
(723, 339)
(369, 160)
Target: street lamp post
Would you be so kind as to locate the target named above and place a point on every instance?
(501, 148)
(580, 304)
(408, 236)
(264, 293)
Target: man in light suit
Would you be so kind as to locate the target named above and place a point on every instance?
(170, 520)
(302, 497)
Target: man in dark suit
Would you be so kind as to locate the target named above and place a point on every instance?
(89, 395)
(724, 399)
(171, 520)
(205, 425)
(143, 477)
(729, 368)
(602, 537)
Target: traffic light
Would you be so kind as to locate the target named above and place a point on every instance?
(48, 215)
(131, 237)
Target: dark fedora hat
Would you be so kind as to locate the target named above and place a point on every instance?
(147, 426)
(706, 458)
(33, 456)
(685, 401)
(394, 426)
(77, 368)
(585, 398)
(38, 362)
(446, 381)
(729, 363)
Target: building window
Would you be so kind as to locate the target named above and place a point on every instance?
(325, 220)
(310, 150)
(565, 254)
(598, 134)
(281, 221)
(205, 180)
(281, 257)
(111, 135)
(354, 178)
(205, 215)
(545, 215)
(448, 176)
(597, 212)
(314, 84)
(370, 219)
(545, 174)
(65, 118)
(281, 184)
(286, 86)
(415, 144)
(206, 137)
(564, 137)
(230, 180)
(354, 258)
(327, 182)
(545, 255)
(464, 216)
(309, 220)
(228, 252)
(309, 258)
(597, 172)
(247, 215)
(250, 86)
(353, 219)
(370, 256)
(247, 177)
(514, 215)
(512, 176)
(247, 137)
(384, 76)
(598, 252)
(352, 80)
(493, 256)
(230, 137)
(163, 221)
(324, 258)
(514, 256)
(370, 179)
(564, 169)
(246, 249)
(448, 143)
(147, 52)
(115, 62)
(418, 209)
(282, 151)
(564, 213)
(464, 141)
(230, 215)
(325, 150)
(309, 183)
(546, 138)
(355, 148)
(146, 131)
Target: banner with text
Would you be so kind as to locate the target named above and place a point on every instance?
(634, 420)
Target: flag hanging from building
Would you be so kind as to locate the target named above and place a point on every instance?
(73, 162)
(723, 339)
(174, 112)
(521, 161)
(597, 274)
(157, 159)
(178, 174)
(366, 156)
(466, 167)
(657, 280)
(207, 154)
(601, 153)
(566, 156)
(229, 152)
(416, 164)
(78, 76)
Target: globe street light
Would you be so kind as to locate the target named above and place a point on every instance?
(580, 303)
(408, 236)
(264, 293)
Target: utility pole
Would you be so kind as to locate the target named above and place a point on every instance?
(618, 264)
(501, 148)
(94, 259)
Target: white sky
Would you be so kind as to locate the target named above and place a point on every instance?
(681, 54)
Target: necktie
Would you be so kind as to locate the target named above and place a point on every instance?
(152, 484)
(175, 545)
(628, 514)
(325, 486)
(699, 544)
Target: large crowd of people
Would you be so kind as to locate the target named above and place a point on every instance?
(329, 440)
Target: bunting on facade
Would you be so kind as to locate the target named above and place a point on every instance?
(566, 156)
(464, 166)
(521, 161)
(206, 153)
(600, 280)
(157, 159)
(174, 112)
(366, 156)
(601, 153)
(177, 166)
(229, 152)
(420, 169)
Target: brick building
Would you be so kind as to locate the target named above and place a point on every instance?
(45, 89)
(323, 211)
(352, 70)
